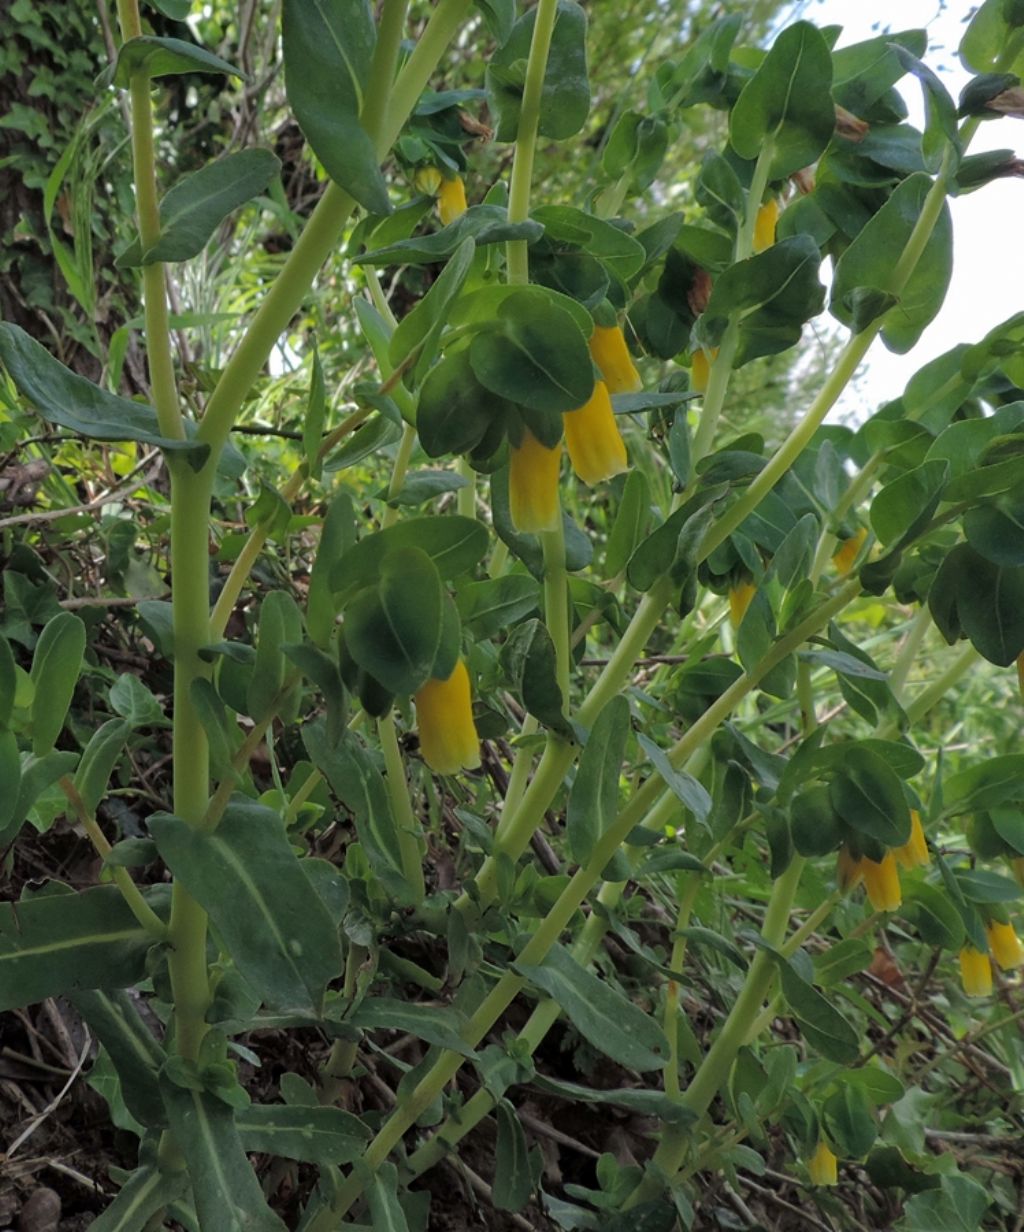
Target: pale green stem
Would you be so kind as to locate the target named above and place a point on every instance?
(556, 606)
(399, 472)
(466, 497)
(401, 805)
(499, 559)
(517, 254)
(758, 184)
(909, 652)
(521, 767)
(306, 788)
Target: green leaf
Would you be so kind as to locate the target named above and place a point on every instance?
(227, 1194)
(687, 790)
(454, 544)
(594, 798)
(440, 1025)
(565, 98)
(328, 49)
(421, 486)
(423, 326)
(958, 1205)
(455, 411)
(513, 1176)
(37, 775)
(337, 536)
(868, 795)
(10, 776)
(528, 658)
(490, 607)
(905, 506)
(984, 44)
(990, 783)
(985, 600)
(280, 623)
(534, 355)
(621, 253)
(194, 208)
(70, 401)
(98, 760)
(248, 878)
(770, 296)
(8, 682)
(824, 1028)
(356, 781)
(315, 417)
(849, 1121)
(631, 518)
(60, 942)
(146, 1193)
(484, 224)
(601, 1014)
(936, 919)
(322, 1136)
(787, 104)
(996, 531)
(163, 57)
(870, 262)
(638, 144)
(382, 1198)
(864, 72)
(394, 631)
(941, 127)
(133, 701)
(137, 1057)
(56, 664)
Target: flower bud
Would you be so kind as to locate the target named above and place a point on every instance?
(427, 180)
(975, 972)
(699, 294)
(1004, 944)
(592, 436)
(444, 716)
(914, 852)
(700, 369)
(850, 126)
(740, 597)
(822, 1166)
(609, 351)
(451, 200)
(764, 225)
(533, 485)
(882, 882)
(849, 550)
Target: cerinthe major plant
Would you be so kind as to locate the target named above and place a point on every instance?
(714, 824)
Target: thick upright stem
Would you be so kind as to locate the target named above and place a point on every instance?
(401, 807)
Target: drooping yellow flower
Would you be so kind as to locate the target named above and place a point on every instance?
(822, 1166)
(428, 180)
(533, 485)
(444, 716)
(1004, 944)
(740, 597)
(609, 351)
(700, 369)
(596, 448)
(882, 882)
(848, 551)
(914, 852)
(849, 873)
(975, 971)
(764, 225)
(451, 200)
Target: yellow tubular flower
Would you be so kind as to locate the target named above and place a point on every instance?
(975, 971)
(609, 351)
(914, 852)
(849, 550)
(444, 715)
(764, 225)
(1004, 944)
(739, 600)
(849, 873)
(700, 369)
(428, 180)
(592, 436)
(822, 1167)
(533, 485)
(882, 882)
(451, 200)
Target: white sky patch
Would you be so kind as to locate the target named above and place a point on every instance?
(988, 262)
